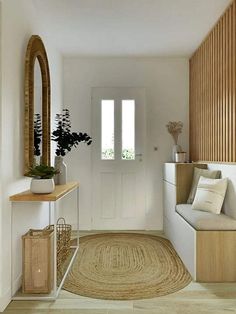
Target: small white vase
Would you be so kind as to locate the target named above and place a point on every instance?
(61, 177)
(176, 149)
(42, 186)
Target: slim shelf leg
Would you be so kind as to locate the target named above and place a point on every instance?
(77, 200)
(53, 210)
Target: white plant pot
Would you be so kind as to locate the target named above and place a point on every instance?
(42, 186)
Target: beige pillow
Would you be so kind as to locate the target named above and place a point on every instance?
(198, 172)
(210, 195)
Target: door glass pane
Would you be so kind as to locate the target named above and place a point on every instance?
(128, 129)
(107, 129)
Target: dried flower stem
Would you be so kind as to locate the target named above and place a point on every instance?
(175, 128)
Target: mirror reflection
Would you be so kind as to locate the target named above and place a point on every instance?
(37, 113)
(37, 138)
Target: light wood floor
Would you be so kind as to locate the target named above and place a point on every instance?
(194, 299)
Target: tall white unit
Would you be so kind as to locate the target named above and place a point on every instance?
(176, 177)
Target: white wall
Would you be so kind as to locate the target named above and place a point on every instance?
(18, 23)
(166, 83)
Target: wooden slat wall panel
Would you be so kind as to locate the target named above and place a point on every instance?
(212, 93)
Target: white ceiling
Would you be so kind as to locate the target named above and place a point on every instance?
(128, 27)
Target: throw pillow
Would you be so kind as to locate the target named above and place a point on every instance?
(198, 172)
(210, 195)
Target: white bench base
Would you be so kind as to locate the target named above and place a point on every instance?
(209, 256)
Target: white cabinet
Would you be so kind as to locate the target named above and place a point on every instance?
(169, 173)
(177, 180)
(169, 198)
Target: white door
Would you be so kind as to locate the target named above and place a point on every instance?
(118, 124)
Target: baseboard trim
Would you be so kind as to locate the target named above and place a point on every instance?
(16, 284)
(5, 300)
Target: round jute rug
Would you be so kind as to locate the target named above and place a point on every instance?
(126, 266)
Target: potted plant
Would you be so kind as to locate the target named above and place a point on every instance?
(65, 140)
(175, 128)
(42, 179)
(37, 135)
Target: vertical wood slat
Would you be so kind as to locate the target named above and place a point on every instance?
(212, 111)
(212, 93)
(198, 75)
(230, 85)
(218, 62)
(220, 94)
(206, 102)
(211, 80)
(201, 102)
(215, 52)
(216, 91)
(223, 156)
(233, 81)
(205, 97)
(208, 89)
(227, 101)
(221, 119)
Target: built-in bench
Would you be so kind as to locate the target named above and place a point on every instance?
(205, 242)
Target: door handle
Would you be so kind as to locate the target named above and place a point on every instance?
(140, 156)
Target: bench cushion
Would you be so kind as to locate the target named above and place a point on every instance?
(215, 174)
(205, 221)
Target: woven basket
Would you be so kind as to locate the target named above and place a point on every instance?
(37, 264)
(63, 240)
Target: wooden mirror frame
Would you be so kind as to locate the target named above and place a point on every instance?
(36, 49)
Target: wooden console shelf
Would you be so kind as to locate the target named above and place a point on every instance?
(52, 198)
(60, 191)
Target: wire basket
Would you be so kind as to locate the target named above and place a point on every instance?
(63, 240)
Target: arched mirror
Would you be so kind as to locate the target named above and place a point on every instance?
(37, 104)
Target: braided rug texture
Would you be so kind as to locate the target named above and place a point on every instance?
(126, 266)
